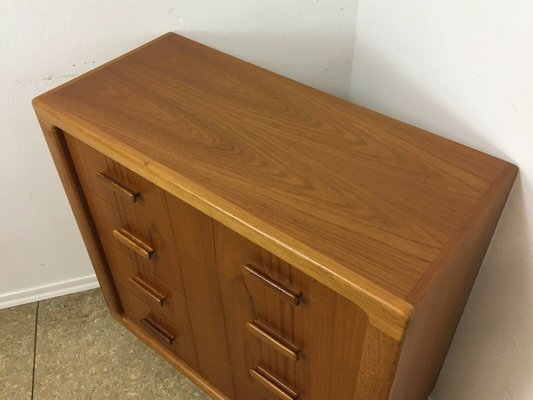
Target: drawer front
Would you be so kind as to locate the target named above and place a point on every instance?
(163, 299)
(287, 333)
(248, 389)
(141, 227)
(103, 176)
(175, 335)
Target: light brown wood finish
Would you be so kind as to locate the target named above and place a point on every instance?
(131, 194)
(388, 198)
(145, 219)
(146, 222)
(270, 337)
(329, 329)
(361, 236)
(149, 290)
(194, 240)
(158, 330)
(168, 355)
(437, 317)
(292, 296)
(264, 378)
(133, 243)
(197, 314)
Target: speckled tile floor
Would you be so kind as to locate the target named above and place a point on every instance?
(70, 348)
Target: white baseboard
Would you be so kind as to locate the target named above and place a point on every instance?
(48, 291)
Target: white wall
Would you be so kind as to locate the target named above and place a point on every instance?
(44, 43)
(464, 69)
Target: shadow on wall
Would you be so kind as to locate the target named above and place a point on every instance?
(321, 59)
(490, 357)
(387, 88)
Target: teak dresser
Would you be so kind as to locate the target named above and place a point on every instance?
(269, 240)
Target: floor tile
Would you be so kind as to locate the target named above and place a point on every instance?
(17, 332)
(82, 353)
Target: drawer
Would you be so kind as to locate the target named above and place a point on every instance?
(105, 177)
(162, 298)
(176, 335)
(148, 244)
(87, 163)
(248, 388)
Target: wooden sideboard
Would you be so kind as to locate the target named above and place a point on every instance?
(269, 240)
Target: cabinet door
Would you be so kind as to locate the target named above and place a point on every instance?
(286, 332)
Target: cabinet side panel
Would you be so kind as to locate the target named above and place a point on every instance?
(58, 149)
(436, 318)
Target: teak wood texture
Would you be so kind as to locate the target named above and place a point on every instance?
(270, 240)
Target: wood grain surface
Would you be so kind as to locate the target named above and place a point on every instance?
(221, 285)
(367, 205)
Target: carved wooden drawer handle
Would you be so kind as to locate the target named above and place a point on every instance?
(272, 339)
(272, 383)
(118, 187)
(149, 290)
(157, 330)
(291, 295)
(133, 243)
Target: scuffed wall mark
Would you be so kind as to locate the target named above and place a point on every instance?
(45, 78)
(474, 73)
(508, 392)
(54, 77)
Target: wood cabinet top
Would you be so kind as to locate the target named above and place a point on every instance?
(362, 202)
